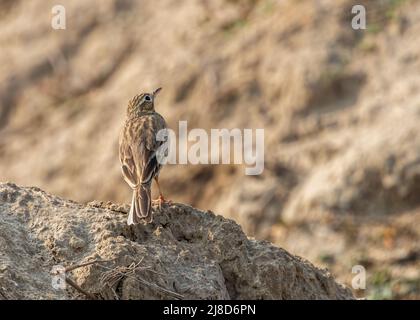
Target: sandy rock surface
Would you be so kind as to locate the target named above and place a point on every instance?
(184, 254)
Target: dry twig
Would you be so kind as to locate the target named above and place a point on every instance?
(74, 284)
(114, 275)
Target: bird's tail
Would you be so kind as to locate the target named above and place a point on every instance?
(141, 205)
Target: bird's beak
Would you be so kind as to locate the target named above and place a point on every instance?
(156, 92)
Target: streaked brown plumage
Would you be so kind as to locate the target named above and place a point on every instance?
(138, 147)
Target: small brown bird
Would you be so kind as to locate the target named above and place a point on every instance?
(138, 154)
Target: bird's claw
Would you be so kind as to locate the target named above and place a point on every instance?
(160, 201)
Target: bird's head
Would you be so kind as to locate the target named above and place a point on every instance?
(143, 102)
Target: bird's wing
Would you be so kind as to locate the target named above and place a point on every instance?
(150, 165)
(147, 147)
(128, 166)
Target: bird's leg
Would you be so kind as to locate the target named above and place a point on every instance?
(160, 191)
(161, 199)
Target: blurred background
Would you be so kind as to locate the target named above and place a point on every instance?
(340, 109)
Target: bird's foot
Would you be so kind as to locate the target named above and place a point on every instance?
(160, 201)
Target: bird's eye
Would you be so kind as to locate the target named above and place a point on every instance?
(147, 98)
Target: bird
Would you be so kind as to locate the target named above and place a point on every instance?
(139, 154)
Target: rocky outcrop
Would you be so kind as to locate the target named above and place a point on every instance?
(184, 254)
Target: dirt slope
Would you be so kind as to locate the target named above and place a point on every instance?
(185, 253)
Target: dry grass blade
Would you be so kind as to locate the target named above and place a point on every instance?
(80, 289)
(74, 284)
(68, 269)
(115, 275)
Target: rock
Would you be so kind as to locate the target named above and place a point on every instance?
(184, 254)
